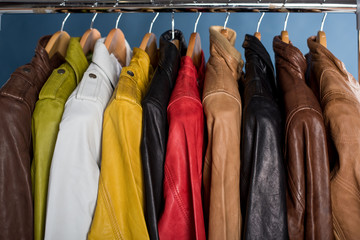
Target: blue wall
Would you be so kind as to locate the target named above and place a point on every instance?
(20, 32)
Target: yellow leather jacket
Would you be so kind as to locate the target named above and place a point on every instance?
(119, 212)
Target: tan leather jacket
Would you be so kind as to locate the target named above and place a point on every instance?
(222, 106)
(306, 155)
(339, 95)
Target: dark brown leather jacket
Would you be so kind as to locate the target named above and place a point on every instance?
(222, 107)
(306, 155)
(339, 95)
(17, 101)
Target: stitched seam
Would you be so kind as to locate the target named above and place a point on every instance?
(347, 186)
(176, 194)
(197, 101)
(110, 210)
(337, 229)
(216, 92)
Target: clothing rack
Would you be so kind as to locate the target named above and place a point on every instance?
(41, 6)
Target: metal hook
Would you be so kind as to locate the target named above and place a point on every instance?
(323, 21)
(117, 3)
(92, 21)
(152, 22)
(197, 21)
(117, 21)
(259, 22)
(63, 23)
(286, 20)
(172, 26)
(226, 19)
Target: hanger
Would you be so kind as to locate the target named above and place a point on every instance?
(173, 40)
(224, 31)
(59, 41)
(257, 33)
(115, 43)
(284, 33)
(90, 37)
(194, 48)
(149, 45)
(321, 36)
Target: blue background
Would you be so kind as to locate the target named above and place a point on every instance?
(20, 32)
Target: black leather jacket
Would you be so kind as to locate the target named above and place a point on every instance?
(17, 101)
(262, 183)
(155, 126)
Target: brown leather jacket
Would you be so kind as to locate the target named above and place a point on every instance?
(306, 156)
(222, 106)
(17, 101)
(339, 95)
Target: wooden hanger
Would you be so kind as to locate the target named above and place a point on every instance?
(284, 33)
(321, 36)
(149, 45)
(115, 43)
(90, 37)
(194, 47)
(58, 42)
(257, 34)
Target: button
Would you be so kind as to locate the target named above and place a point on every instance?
(61, 71)
(92, 75)
(27, 70)
(130, 73)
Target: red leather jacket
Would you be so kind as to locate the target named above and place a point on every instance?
(183, 212)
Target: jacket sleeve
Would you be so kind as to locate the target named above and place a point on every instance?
(45, 127)
(262, 181)
(221, 174)
(153, 144)
(16, 203)
(74, 174)
(308, 173)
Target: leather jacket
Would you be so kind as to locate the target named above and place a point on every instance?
(306, 155)
(222, 107)
(17, 102)
(339, 95)
(155, 127)
(184, 157)
(119, 212)
(262, 175)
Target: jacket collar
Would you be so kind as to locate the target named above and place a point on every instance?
(225, 44)
(254, 44)
(107, 62)
(292, 56)
(76, 58)
(169, 55)
(322, 55)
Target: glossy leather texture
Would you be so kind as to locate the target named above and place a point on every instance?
(183, 216)
(155, 127)
(306, 154)
(262, 175)
(119, 212)
(75, 166)
(339, 94)
(17, 102)
(45, 125)
(222, 106)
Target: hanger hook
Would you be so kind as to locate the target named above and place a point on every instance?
(92, 21)
(152, 22)
(172, 26)
(226, 19)
(117, 20)
(286, 20)
(64, 21)
(197, 21)
(259, 22)
(323, 21)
